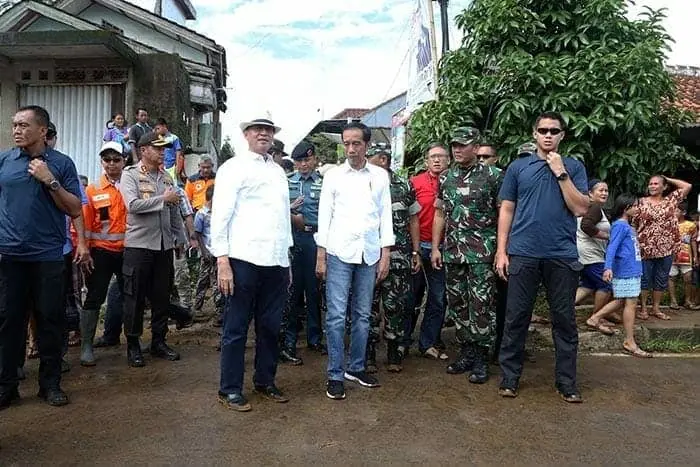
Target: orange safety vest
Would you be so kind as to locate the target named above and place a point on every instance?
(196, 190)
(105, 216)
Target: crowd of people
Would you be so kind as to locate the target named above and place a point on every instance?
(357, 252)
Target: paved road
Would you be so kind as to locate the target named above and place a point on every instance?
(636, 412)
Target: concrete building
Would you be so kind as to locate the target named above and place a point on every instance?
(84, 60)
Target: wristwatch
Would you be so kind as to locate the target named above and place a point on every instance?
(54, 185)
(563, 176)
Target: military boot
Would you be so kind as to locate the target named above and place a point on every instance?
(371, 358)
(88, 325)
(480, 370)
(464, 361)
(393, 357)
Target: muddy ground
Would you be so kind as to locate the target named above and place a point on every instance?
(635, 412)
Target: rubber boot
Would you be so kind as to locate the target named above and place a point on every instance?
(371, 358)
(88, 325)
(393, 357)
(480, 370)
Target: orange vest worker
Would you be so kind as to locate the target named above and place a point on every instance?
(105, 216)
(196, 189)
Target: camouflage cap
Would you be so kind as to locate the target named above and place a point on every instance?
(379, 148)
(527, 148)
(465, 135)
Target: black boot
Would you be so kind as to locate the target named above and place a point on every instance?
(480, 370)
(160, 349)
(393, 356)
(134, 356)
(464, 361)
(287, 356)
(371, 358)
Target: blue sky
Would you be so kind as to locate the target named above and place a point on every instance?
(306, 60)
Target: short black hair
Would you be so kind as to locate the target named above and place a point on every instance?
(139, 109)
(162, 121)
(83, 178)
(622, 203)
(551, 116)
(209, 194)
(366, 132)
(41, 115)
(436, 144)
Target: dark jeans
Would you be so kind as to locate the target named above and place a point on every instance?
(21, 284)
(260, 291)
(147, 273)
(305, 287)
(114, 313)
(560, 278)
(435, 304)
(501, 296)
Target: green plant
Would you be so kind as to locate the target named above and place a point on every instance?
(585, 59)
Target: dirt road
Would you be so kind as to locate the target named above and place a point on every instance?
(636, 412)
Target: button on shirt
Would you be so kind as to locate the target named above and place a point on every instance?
(354, 217)
(250, 212)
(32, 228)
(543, 226)
(151, 223)
(310, 186)
(426, 187)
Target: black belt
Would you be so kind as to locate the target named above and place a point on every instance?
(310, 229)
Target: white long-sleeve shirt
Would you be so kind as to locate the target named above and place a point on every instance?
(354, 214)
(250, 217)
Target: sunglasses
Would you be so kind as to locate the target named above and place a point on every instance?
(107, 160)
(552, 131)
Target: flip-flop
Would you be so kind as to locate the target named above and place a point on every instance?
(674, 306)
(639, 353)
(601, 328)
(434, 354)
(660, 315)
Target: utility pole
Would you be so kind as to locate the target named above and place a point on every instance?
(445, 23)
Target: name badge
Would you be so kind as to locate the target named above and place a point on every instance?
(101, 201)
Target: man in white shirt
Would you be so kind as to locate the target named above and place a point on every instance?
(354, 237)
(250, 237)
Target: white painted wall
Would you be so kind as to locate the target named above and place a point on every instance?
(46, 24)
(136, 31)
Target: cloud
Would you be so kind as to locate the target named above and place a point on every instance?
(306, 60)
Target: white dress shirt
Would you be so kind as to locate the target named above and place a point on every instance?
(354, 213)
(250, 217)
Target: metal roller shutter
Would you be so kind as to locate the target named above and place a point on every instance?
(79, 113)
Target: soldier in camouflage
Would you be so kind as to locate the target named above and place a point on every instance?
(394, 292)
(467, 213)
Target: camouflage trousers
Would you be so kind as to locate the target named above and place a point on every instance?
(394, 296)
(181, 292)
(471, 302)
(208, 280)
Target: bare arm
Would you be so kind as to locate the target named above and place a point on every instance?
(438, 228)
(505, 222)
(576, 201)
(590, 220)
(414, 229)
(682, 185)
(67, 202)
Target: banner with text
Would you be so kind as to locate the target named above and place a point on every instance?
(422, 60)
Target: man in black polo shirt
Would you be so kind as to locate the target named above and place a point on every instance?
(541, 195)
(39, 186)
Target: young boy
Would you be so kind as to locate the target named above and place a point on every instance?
(683, 260)
(207, 265)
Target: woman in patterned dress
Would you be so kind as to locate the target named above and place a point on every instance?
(657, 229)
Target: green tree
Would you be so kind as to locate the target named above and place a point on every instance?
(326, 148)
(584, 58)
(227, 151)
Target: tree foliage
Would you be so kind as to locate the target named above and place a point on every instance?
(584, 58)
(227, 151)
(326, 148)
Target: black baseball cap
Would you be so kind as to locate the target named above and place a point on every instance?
(153, 139)
(303, 150)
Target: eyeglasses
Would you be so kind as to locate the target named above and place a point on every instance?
(107, 160)
(552, 131)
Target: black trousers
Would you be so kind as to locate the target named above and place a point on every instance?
(501, 297)
(560, 278)
(37, 285)
(147, 273)
(107, 264)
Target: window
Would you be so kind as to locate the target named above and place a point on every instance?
(203, 130)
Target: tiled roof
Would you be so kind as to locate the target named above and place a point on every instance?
(687, 81)
(350, 113)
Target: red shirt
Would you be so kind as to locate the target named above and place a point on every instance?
(426, 186)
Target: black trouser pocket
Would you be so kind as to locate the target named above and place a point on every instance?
(129, 274)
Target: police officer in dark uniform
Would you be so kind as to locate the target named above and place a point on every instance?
(305, 186)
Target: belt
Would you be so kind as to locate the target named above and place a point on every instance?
(310, 229)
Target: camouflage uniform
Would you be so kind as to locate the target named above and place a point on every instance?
(469, 198)
(394, 292)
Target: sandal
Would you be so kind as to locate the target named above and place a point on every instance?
(536, 319)
(600, 327)
(660, 315)
(674, 306)
(643, 315)
(637, 352)
(435, 354)
(74, 339)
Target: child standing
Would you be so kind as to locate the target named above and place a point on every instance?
(207, 265)
(684, 259)
(623, 267)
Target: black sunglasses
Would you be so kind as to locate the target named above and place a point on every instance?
(112, 159)
(552, 131)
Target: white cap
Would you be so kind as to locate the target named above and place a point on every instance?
(113, 145)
